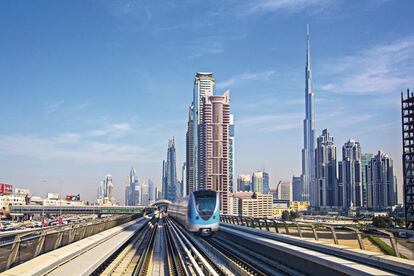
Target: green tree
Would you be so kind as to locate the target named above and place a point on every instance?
(293, 215)
(382, 221)
(285, 215)
(400, 221)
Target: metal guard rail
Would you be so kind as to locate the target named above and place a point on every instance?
(28, 245)
(267, 224)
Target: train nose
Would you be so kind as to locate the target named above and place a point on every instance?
(205, 231)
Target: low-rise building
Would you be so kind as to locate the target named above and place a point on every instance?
(10, 200)
(299, 206)
(254, 204)
(278, 211)
(233, 206)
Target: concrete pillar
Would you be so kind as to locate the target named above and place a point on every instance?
(315, 234)
(267, 225)
(13, 252)
(286, 228)
(275, 225)
(299, 230)
(333, 234)
(40, 244)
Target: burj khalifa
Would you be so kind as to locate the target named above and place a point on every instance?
(308, 151)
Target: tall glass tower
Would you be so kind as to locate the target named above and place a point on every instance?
(308, 151)
(171, 172)
(204, 84)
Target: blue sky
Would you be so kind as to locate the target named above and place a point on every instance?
(93, 87)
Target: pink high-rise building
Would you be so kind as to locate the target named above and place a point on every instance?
(214, 166)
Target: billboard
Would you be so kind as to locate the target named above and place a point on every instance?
(73, 197)
(52, 196)
(6, 189)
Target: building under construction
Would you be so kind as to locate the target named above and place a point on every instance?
(407, 116)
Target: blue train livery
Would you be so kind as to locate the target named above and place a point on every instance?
(199, 212)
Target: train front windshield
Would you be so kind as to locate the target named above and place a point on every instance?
(205, 205)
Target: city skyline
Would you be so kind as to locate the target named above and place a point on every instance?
(98, 100)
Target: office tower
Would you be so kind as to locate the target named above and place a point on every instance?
(231, 153)
(164, 188)
(127, 195)
(350, 183)
(145, 193)
(190, 174)
(171, 172)
(109, 188)
(296, 188)
(284, 190)
(183, 179)
(157, 194)
(365, 159)
(324, 192)
(308, 160)
(260, 182)
(203, 85)
(151, 192)
(101, 192)
(244, 183)
(381, 182)
(106, 191)
(407, 119)
(133, 183)
(214, 146)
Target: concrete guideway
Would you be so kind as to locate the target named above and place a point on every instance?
(303, 252)
(81, 257)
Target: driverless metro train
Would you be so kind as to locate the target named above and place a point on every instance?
(199, 212)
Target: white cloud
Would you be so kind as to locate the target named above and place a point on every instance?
(272, 122)
(53, 106)
(204, 47)
(114, 129)
(247, 76)
(290, 6)
(386, 68)
(68, 146)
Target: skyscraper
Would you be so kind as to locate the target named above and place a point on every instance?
(284, 190)
(190, 174)
(171, 172)
(106, 191)
(127, 195)
(133, 183)
(407, 120)
(164, 187)
(365, 159)
(144, 193)
(204, 84)
(151, 191)
(296, 188)
(381, 182)
(214, 171)
(325, 185)
(183, 179)
(308, 161)
(260, 180)
(350, 175)
(231, 153)
(244, 183)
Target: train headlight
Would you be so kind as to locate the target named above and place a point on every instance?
(197, 217)
(214, 217)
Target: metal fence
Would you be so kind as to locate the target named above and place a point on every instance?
(376, 240)
(21, 247)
